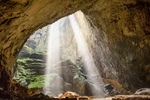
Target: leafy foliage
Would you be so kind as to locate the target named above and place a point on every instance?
(28, 49)
(27, 77)
(36, 81)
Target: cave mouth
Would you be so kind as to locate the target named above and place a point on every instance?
(56, 59)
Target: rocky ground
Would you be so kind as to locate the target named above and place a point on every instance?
(131, 97)
(8, 95)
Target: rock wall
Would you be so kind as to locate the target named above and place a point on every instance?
(120, 41)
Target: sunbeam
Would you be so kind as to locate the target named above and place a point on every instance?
(86, 56)
(58, 41)
(53, 57)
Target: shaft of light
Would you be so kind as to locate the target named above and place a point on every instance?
(86, 55)
(53, 53)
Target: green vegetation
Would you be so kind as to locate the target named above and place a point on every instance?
(25, 74)
(27, 49)
(37, 81)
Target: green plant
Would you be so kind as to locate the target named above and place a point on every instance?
(28, 49)
(36, 81)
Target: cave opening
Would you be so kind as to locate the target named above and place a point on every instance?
(56, 59)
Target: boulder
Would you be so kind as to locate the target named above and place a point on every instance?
(36, 56)
(143, 91)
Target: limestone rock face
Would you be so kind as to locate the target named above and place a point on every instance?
(120, 39)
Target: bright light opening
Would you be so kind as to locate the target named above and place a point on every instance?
(54, 59)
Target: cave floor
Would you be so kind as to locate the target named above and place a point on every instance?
(9, 96)
(117, 97)
(12, 95)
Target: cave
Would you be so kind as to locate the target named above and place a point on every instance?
(119, 40)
